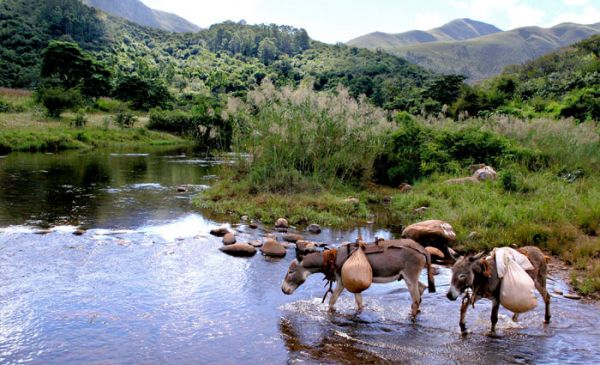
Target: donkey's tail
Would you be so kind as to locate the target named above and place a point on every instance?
(430, 280)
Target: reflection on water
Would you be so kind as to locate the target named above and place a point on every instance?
(145, 283)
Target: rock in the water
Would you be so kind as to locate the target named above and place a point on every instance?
(229, 239)
(405, 188)
(79, 232)
(239, 250)
(219, 232)
(558, 291)
(292, 237)
(282, 223)
(182, 189)
(485, 173)
(253, 225)
(572, 296)
(314, 229)
(270, 236)
(273, 248)
(43, 231)
(434, 252)
(255, 243)
(306, 246)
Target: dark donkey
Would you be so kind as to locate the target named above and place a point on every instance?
(390, 261)
(480, 275)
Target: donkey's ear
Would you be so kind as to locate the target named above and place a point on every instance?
(476, 257)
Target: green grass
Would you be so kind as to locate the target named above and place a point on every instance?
(331, 207)
(35, 133)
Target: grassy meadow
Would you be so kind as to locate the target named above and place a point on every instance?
(26, 127)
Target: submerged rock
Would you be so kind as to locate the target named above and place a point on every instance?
(253, 225)
(306, 246)
(239, 250)
(292, 237)
(314, 229)
(273, 248)
(229, 239)
(255, 243)
(219, 232)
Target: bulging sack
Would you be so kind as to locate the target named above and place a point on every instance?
(357, 274)
(517, 290)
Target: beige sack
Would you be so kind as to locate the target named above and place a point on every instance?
(357, 274)
(516, 292)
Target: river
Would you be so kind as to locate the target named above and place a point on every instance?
(145, 283)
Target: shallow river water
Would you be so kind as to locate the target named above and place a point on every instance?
(146, 283)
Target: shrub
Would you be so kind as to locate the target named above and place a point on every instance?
(80, 119)
(143, 93)
(125, 119)
(56, 99)
(4, 107)
(109, 105)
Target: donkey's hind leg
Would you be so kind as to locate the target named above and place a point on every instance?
(412, 282)
(359, 302)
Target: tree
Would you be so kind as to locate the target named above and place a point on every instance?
(67, 65)
(267, 51)
(143, 93)
(302, 40)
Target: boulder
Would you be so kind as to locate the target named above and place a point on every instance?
(229, 239)
(239, 250)
(292, 237)
(430, 231)
(282, 223)
(354, 201)
(434, 252)
(182, 189)
(273, 248)
(405, 188)
(219, 232)
(314, 229)
(484, 174)
(253, 225)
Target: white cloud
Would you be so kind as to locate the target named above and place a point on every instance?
(521, 15)
(575, 2)
(427, 21)
(588, 15)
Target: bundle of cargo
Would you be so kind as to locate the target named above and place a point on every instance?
(435, 233)
(357, 274)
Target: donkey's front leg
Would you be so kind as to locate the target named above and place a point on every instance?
(339, 288)
(463, 314)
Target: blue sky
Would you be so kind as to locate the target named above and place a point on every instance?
(341, 20)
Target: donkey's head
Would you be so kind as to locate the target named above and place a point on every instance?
(463, 274)
(300, 269)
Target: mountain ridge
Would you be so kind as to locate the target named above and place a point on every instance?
(485, 56)
(138, 12)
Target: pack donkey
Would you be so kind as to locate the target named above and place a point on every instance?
(390, 261)
(481, 276)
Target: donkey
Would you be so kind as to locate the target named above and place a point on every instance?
(481, 276)
(390, 261)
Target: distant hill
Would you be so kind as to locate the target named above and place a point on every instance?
(137, 12)
(456, 30)
(485, 56)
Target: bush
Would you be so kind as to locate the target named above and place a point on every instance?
(582, 105)
(143, 93)
(125, 119)
(205, 125)
(56, 99)
(416, 150)
(109, 105)
(4, 107)
(80, 119)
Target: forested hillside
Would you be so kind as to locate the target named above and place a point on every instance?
(225, 58)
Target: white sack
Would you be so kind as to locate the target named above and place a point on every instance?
(516, 292)
(505, 254)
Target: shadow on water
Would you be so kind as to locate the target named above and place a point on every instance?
(147, 284)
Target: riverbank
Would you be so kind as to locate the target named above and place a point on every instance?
(559, 215)
(33, 132)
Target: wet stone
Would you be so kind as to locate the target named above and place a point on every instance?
(239, 250)
(229, 239)
(219, 232)
(314, 229)
(272, 248)
(292, 237)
